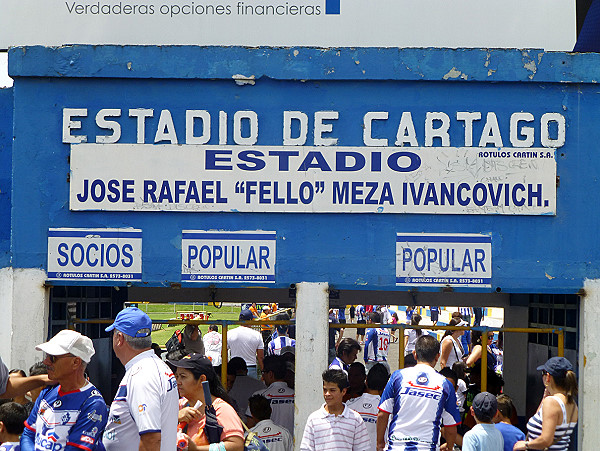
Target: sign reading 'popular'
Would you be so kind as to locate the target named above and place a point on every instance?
(438, 260)
(240, 256)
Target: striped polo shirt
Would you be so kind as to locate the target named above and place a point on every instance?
(345, 432)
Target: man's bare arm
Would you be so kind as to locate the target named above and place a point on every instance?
(260, 355)
(382, 423)
(450, 433)
(18, 386)
(150, 441)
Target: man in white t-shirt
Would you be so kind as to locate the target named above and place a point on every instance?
(144, 412)
(248, 344)
(277, 438)
(278, 393)
(386, 316)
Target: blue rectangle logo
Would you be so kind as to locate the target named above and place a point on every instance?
(332, 6)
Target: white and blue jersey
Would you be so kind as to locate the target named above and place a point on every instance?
(366, 406)
(277, 343)
(420, 400)
(147, 401)
(360, 313)
(68, 421)
(376, 345)
(10, 446)
(338, 364)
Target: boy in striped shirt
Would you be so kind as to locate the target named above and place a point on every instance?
(335, 426)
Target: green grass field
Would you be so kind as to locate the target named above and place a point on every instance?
(171, 311)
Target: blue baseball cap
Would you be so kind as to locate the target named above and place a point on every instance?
(485, 406)
(133, 322)
(556, 367)
(246, 315)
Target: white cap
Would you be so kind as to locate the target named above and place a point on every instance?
(69, 342)
(462, 323)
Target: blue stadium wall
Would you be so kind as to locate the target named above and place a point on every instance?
(6, 123)
(530, 253)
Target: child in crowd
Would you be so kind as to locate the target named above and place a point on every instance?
(484, 436)
(453, 378)
(461, 385)
(37, 369)
(277, 438)
(335, 426)
(510, 433)
(12, 422)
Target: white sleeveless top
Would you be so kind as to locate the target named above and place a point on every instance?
(455, 354)
(562, 434)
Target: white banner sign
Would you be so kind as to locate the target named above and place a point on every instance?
(448, 180)
(240, 256)
(95, 254)
(537, 24)
(439, 260)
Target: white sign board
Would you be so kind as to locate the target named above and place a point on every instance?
(326, 179)
(440, 260)
(95, 254)
(240, 256)
(539, 24)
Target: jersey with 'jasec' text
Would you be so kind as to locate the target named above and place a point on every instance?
(420, 401)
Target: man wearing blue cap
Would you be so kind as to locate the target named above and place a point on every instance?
(143, 414)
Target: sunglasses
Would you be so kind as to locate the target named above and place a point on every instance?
(544, 372)
(54, 358)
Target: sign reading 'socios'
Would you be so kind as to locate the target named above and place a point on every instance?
(488, 172)
(95, 254)
(544, 24)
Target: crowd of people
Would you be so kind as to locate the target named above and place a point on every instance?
(434, 402)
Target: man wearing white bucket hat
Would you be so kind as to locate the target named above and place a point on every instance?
(73, 413)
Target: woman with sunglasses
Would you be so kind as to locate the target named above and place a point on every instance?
(478, 348)
(553, 423)
(190, 372)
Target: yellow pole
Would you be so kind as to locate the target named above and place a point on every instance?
(224, 355)
(401, 350)
(561, 343)
(484, 358)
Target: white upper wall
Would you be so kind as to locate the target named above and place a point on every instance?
(537, 24)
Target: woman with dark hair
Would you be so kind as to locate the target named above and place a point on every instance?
(411, 335)
(451, 348)
(190, 372)
(553, 423)
(478, 347)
